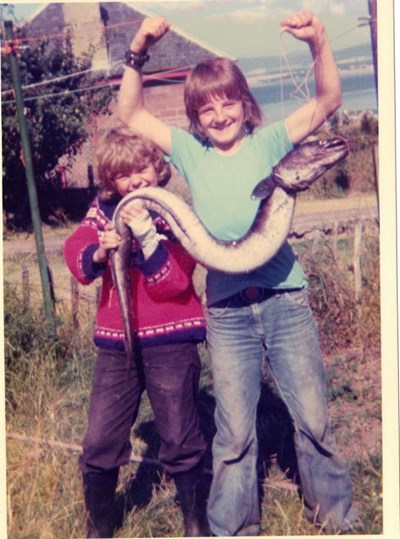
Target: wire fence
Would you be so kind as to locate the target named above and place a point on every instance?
(73, 298)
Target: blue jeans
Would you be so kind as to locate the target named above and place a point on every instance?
(283, 329)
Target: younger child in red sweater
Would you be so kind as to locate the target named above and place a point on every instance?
(169, 323)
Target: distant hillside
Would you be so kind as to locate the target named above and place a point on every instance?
(355, 56)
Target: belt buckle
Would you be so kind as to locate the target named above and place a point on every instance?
(252, 294)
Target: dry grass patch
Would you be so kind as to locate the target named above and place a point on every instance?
(47, 391)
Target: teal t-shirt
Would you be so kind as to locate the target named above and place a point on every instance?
(221, 187)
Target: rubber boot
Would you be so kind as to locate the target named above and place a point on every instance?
(99, 492)
(192, 495)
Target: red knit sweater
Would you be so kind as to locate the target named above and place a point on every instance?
(165, 305)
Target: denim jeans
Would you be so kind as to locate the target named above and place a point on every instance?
(170, 374)
(283, 330)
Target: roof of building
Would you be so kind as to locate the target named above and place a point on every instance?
(108, 27)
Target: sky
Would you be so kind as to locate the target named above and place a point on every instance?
(246, 28)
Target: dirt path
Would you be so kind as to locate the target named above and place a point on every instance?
(326, 215)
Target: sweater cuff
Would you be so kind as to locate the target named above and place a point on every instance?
(155, 261)
(92, 269)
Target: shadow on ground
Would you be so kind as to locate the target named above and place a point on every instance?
(275, 433)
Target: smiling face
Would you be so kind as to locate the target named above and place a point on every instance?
(219, 104)
(146, 177)
(221, 119)
(126, 162)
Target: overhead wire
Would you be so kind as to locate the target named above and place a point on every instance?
(50, 81)
(159, 76)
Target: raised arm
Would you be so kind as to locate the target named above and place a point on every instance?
(328, 90)
(131, 108)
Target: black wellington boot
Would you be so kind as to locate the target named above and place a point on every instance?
(192, 495)
(99, 492)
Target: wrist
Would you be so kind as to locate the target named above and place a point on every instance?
(137, 45)
(150, 246)
(136, 59)
(318, 42)
(137, 50)
(100, 256)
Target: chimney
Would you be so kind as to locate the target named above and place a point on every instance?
(87, 30)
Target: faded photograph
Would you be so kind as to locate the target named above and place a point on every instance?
(199, 274)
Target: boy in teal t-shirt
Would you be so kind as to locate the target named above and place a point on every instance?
(260, 315)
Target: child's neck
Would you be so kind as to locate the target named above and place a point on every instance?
(228, 149)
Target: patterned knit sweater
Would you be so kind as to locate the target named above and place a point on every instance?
(164, 303)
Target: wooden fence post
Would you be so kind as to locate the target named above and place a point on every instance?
(316, 236)
(74, 302)
(335, 229)
(375, 161)
(25, 286)
(357, 261)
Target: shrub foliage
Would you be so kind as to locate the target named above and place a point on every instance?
(60, 99)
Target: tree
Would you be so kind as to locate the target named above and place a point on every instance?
(57, 112)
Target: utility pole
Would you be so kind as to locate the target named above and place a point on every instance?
(32, 192)
(373, 14)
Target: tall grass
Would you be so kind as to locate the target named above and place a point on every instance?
(343, 319)
(47, 390)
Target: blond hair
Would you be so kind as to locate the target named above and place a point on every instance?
(219, 77)
(121, 152)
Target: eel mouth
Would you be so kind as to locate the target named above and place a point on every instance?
(264, 188)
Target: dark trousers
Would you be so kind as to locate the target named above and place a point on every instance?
(170, 374)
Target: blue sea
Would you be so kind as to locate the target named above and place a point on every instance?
(358, 95)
